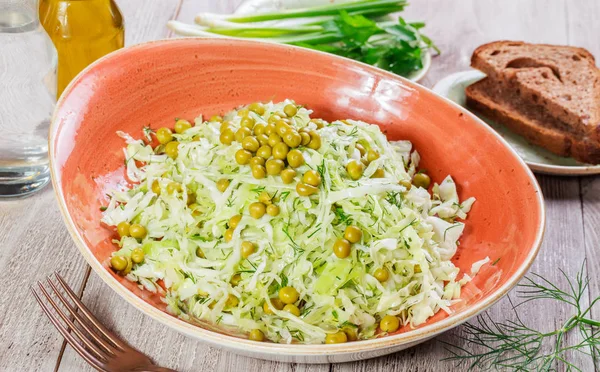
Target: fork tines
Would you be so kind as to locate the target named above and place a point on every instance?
(76, 323)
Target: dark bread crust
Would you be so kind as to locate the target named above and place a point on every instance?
(535, 131)
(549, 94)
(563, 80)
(479, 62)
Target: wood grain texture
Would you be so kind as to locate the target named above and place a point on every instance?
(581, 31)
(34, 243)
(189, 8)
(458, 27)
(146, 20)
(32, 234)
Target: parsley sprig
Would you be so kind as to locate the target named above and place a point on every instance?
(394, 46)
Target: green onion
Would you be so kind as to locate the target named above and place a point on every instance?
(351, 30)
(356, 6)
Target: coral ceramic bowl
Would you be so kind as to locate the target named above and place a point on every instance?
(150, 84)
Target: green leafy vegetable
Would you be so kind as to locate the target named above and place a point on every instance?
(361, 6)
(513, 345)
(350, 29)
(393, 47)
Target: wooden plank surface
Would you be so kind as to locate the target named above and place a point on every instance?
(32, 234)
(581, 31)
(33, 243)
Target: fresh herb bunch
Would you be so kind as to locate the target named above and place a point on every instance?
(351, 29)
(514, 346)
(396, 47)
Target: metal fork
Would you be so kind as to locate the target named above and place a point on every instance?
(90, 339)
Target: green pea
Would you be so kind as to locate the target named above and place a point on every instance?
(421, 180)
(164, 135)
(118, 263)
(290, 110)
(137, 255)
(182, 125)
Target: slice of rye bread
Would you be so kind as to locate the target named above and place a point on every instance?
(530, 122)
(563, 80)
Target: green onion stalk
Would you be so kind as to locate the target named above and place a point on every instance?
(356, 30)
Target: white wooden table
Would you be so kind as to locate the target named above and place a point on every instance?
(34, 241)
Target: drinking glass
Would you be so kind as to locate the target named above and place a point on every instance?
(27, 96)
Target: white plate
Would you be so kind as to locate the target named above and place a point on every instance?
(539, 160)
(254, 6)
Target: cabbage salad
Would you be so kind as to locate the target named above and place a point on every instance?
(287, 228)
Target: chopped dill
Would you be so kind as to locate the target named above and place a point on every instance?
(147, 133)
(394, 198)
(342, 217)
(413, 222)
(322, 169)
(230, 202)
(349, 324)
(258, 190)
(251, 264)
(297, 249)
(297, 334)
(316, 231)
(202, 300)
(451, 227)
(131, 157)
(354, 131)
(283, 282)
(305, 311)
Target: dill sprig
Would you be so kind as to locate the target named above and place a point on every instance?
(341, 216)
(283, 196)
(322, 169)
(230, 201)
(258, 190)
(512, 345)
(394, 198)
(297, 249)
(147, 131)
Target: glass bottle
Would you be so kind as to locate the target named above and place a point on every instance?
(82, 32)
(27, 97)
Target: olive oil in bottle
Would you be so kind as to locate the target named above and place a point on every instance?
(82, 31)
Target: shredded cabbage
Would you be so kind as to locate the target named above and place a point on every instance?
(412, 233)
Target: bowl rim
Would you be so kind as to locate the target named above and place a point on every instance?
(243, 345)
